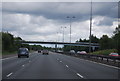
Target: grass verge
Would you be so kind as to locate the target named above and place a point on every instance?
(9, 53)
(104, 52)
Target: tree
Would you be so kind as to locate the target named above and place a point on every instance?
(94, 39)
(116, 38)
(105, 42)
(17, 45)
(7, 41)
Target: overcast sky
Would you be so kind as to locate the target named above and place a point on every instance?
(42, 21)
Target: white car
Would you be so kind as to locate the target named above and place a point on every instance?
(82, 52)
(78, 52)
(72, 51)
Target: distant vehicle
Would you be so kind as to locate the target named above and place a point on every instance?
(53, 50)
(45, 52)
(39, 51)
(60, 51)
(72, 52)
(114, 54)
(78, 52)
(23, 52)
(82, 52)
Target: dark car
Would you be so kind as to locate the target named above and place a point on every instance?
(45, 52)
(39, 51)
(23, 52)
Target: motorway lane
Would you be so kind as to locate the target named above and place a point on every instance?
(14, 64)
(38, 66)
(55, 66)
(89, 70)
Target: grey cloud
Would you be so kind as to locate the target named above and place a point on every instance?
(108, 9)
(43, 20)
(60, 10)
(106, 21)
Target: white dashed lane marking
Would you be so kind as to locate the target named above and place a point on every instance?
(23, 65)
(66, 65)
(80, 75)
(9, 74)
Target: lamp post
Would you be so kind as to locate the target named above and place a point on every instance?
(57, 40)
(70, 25)
(63, 32)
(90, 28)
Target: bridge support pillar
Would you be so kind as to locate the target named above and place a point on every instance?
(55, 47)
(93, 48)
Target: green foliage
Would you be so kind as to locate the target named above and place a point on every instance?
(116, 38)
(11, 43)
(7, 41)
(36, 47)
(106, 42)
(104, 52)
(8, 52)
(0, 44)
(94, 39)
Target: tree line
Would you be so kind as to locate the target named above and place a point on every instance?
(105, 42)
(10, 43)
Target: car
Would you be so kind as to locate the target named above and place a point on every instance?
(72, 52)
(82, 52)
(39, 51)
(23, 52)
(78, 52)
(45, 52)
(60, 51)
(114, 54)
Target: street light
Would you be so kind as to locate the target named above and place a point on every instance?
(63, 32)
(57, 40)
(90, 28)
(70, 25)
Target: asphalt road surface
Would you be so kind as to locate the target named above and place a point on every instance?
(55, 66)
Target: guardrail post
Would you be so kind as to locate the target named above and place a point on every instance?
(114, 60)
(107, 60)
(102, 58)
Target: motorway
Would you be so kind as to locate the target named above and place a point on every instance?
(55, 66)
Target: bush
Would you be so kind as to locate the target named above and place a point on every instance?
(104, 52)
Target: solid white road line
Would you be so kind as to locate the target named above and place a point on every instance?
(99, 63)
(9, 74)
(12, 57)
(103, 64)
(109, 66)
(80, 75)
(9, 58)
